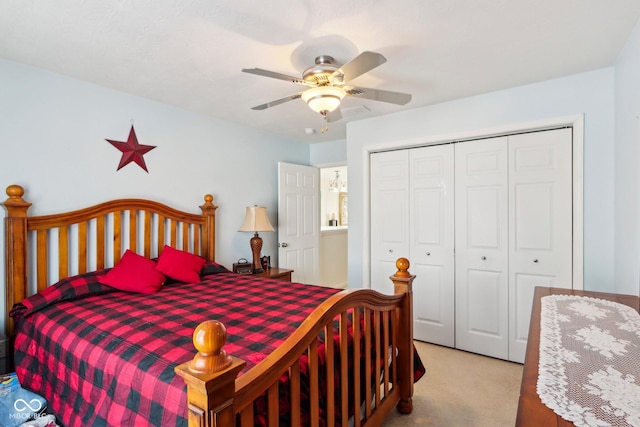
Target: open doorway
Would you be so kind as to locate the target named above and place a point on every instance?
(334, 222)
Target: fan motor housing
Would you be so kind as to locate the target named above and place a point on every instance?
(321, 71)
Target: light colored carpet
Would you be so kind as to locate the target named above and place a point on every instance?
(462, 389)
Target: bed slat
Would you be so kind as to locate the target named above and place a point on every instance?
(82, 247)
(394, 356)
(246, 417)
(314, 397)
(356, 364)
(147, 234)
(42, 249)
(376, 325)
(273, 406)
(344, 368)
(174, 234)
(185, 236)
(367, 362)
(331, 391)
(117, 236)
(133, 230)
(161, 232)
(100, 242)
(63, 252)
(294, 375)
(197, 229)
(385, 340)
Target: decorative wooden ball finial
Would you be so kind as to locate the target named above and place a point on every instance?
(15, 191)
(402, 264)
(209, 338)
(208, 198)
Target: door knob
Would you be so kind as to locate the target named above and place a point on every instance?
(390, 251)
(483, 258)
(284, 245)
(535, 260)
(428, 253)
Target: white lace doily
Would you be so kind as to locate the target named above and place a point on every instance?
(589, 370)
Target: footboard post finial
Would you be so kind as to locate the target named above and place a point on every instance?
(210, 378)
(402, 282)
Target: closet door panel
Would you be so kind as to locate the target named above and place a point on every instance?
(483, 307)
(481, 247)
(540, 223)
(431, 239)
(389, 216)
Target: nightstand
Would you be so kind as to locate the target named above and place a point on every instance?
(276, 273)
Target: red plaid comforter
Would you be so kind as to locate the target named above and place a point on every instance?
(106, 357)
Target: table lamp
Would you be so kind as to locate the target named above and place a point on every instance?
(255, 220)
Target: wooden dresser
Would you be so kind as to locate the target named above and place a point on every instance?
(531, 411)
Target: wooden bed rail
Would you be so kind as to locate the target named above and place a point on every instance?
(217, 396)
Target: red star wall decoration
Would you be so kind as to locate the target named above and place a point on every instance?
(132, 151)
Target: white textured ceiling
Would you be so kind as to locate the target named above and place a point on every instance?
(189, 53)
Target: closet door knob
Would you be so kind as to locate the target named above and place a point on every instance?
(535, 260)
(284, 245)
(483, 258)
(428, 253)
(390, 251)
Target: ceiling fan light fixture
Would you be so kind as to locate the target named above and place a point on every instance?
(323, 98)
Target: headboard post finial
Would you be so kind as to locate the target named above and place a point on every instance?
(15, 205)
(15, 235)
(209, 238)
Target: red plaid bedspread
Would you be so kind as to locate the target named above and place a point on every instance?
(104, 357)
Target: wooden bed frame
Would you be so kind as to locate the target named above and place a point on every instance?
(95, 237)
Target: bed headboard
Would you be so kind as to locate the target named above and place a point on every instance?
(51, 247)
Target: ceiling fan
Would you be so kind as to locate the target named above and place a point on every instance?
(327, 85)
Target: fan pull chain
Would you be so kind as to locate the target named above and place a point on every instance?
(326, 122)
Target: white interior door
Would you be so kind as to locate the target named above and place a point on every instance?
(389, 215)
(431, 231)
(481, 241)
(540, 224)
(299, 221)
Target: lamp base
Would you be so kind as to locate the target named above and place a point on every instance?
(256, 248)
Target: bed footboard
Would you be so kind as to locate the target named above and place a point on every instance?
(329, 384)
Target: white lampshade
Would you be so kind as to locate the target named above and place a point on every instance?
(256, 219)
(323, 98)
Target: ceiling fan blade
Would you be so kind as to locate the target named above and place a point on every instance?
(359, 65)
(279, 76)
(398, 98)
(277, 102)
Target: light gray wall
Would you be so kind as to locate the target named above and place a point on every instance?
(590, 93)
(329, 153)
(627, 167)
(52, 140)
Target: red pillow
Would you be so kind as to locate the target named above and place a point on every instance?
(180, 265)
(134, 273)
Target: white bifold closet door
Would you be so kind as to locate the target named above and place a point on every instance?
(513, 233)
(540, 224)
(483, 223)
(482, 255)
(412, 217)
(389, 216)
(431, 242)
